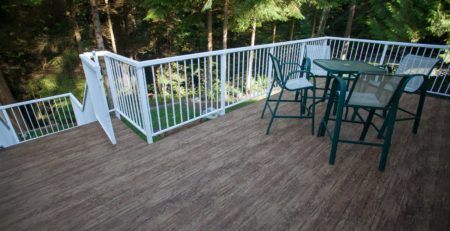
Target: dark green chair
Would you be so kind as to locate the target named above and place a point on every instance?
(421, 67)
(298, 81)
(363, 94)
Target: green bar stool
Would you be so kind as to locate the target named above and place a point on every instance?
(363, 94)
(298, 81)
(421, 67)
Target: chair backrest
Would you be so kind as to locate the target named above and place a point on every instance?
(414, 64)
(302, 71)
(277, 70)
(318, 52)
(306, 64)
(387, 90)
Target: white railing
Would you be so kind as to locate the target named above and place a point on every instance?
(37, 118)
(391, 53)
(96, 94)
(158, 95)
(29, 120)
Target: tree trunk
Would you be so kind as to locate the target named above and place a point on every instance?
(351, 15)
(225, 25)
(274, 31)
(292, 29)
(77, 35)
(323, 21)
(210, 31)
(97, 25)
(110, 27)
(314, 22)
(6, 96)
(72, 13)
(250, 58)
(210, 59)
(348, 28)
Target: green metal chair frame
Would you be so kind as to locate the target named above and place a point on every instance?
(339, 99)
(422, 90)
(281, 80)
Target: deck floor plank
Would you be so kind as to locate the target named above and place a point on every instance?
(226, 174)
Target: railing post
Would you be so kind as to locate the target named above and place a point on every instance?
(269, 71)
(383, 55)
(112, 85)
(302, 52)
(10, 125)
(145, 106)
(223, 75)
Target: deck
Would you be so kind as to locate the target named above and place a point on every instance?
(226, 174)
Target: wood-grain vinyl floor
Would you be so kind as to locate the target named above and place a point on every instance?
(226, 174)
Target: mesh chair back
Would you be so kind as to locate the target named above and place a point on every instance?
(414, 64)
(277, 70)
(318, 52)
(366, 94)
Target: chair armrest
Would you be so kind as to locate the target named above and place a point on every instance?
(291, 63)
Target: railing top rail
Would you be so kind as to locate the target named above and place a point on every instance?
(3, 107)
(118, 57)
(85, 57)
(391, 42)
(200, 54)
(145, 63)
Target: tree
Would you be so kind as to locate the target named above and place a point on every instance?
(110, 27)
(208, 8)
(323, 20)
(348, 27)
(351, 15)
(225, 24)
(72, 13)
(407, 20)
(97, 25)
(6, 96)
(252, 13)
(326, 6)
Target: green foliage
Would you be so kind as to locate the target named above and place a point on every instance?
(439, 21)
(264, 11)
(39, 52)
(407, 20)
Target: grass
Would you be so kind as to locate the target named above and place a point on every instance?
(175, 111)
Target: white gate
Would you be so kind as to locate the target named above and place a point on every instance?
(97, 94)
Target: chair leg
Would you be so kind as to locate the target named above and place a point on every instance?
(327, 85)
(313, 110)
(297, 93)
(303, 103)
(419, 112)
(387, 139)
(267, 99)
(383, 126)
(355, 110)
(274, 111)
(337, 130)
(367, 125)
(326, 116)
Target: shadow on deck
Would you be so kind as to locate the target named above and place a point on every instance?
(227, 174)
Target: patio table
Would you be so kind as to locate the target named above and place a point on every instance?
(336, 67)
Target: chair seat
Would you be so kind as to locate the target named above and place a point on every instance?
(364, 99)
(296, 84)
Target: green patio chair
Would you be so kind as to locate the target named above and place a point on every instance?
(363, 94)
(318, 52)
(298, 81)
(421, 67)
